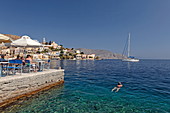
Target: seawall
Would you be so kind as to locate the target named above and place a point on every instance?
(18, 86)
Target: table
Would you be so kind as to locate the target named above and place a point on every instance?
(1, 64)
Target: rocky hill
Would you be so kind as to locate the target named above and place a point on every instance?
(13, 37)
(102, 54)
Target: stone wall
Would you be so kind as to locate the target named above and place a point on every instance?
(13, 87)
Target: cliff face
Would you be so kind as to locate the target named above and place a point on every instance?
(103, 54)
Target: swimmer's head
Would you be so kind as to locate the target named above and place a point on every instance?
(119, 83)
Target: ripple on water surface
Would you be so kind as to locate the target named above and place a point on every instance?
(88, 85)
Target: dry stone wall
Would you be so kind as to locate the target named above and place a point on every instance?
(12, 86)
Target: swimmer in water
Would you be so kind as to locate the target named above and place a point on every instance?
(117, 88)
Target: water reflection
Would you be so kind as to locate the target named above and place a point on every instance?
(77, 64)
(55, 64)
(128, 65)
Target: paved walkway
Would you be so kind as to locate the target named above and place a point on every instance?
(23, 75)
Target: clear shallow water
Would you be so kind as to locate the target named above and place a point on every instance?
(88, 84)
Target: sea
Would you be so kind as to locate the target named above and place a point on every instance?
(88, 85)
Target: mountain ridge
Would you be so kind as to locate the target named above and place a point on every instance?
(102, 54)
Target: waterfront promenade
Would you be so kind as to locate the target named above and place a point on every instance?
(18, 86)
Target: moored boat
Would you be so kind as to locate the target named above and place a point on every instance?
(129, 58)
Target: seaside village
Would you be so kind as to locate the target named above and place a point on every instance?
(12, 46)
(32, 55)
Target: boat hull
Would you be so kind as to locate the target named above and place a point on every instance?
(130, 60)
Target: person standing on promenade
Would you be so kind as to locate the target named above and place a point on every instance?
(117, 88)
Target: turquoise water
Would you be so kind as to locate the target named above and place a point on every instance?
(88, 84)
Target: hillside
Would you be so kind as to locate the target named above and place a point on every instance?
(102, 54)
(13, 37)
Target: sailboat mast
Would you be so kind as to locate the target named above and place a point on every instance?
(129, 45)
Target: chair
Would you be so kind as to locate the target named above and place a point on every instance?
(3, 68)
(27, 65)
(30, 67)
(10, 67)
(14, 66)
(19, 65)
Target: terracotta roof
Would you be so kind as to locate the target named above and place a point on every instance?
(13, 37)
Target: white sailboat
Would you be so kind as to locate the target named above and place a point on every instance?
(129, 58)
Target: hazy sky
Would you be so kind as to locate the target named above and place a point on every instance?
(94, 24)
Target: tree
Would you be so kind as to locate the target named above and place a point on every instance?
(61, 47)
(51, 48)
(71, 54)
(97, 58)
(90, 57)
(56, 49)
(46, 43)
(38, 52)
(82, 53)
(62, 52)
(50, 42)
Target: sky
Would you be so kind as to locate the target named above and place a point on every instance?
(93, 24)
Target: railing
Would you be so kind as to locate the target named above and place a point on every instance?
(19, 66)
